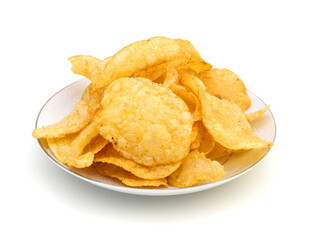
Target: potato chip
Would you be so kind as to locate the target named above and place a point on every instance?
(95, 145)
(111, 156)
(224, 120)
(195, 141)
(225, 84)
(189, 98)
(164, 74)
(75, 121)
(128, 178)
(196, 168)
(83, 64)
(257, 114)
(218, 151)
(156, 73)
(198, 66)
(85, 137)
(61, 147)
(193, 67)
(142, 55)
(188, 47)
(204, 141)
(145, 121)
(93, 98)
(171, 77)
(69, 150)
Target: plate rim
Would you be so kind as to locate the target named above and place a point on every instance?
(150, 192)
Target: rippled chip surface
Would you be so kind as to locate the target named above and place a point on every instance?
(195, 169)
(74, 149)
(128, 178)
(218, 151)
(189, 98)
(225, 84)
(204, 141)
(224, 120)
(72, 123)
(110, 155)
(83, 64)
(146, 122)
(257, 114)
(141, 55)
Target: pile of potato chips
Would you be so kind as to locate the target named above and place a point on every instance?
(155, 114)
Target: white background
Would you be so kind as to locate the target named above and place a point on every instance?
(265, 43)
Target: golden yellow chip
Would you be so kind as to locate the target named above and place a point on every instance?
(72, 123)
(61, 147)
(195, 169)
(190, 99)
(224, 120)
(189, 49)
(225, 84)
(83, 64)
(145, 121)
(155, 73)
(198, 66)
(69, 150)
(111, 156)
(171, 77)
(95, 145)
(93, 99)
(204, 141)
(142, 55)
(218, 151)
(128, 178)
(195, 141)
(257, 114)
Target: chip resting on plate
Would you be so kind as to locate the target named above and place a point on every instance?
(127, 178)
(224, 120)
(111, 156)
(196, 168)
(72, 123)
(225, 84)
(145, 121)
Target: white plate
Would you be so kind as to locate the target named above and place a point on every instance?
(60, 104)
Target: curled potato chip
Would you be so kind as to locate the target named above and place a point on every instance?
(128, 178)
(145, 122)
(196, 168)
(155, 73)
(224, 120)
(75, 121)
(164, 74)
(141, 55)
(193, 67)
(257, 114)
(198, 66)
(204, 141)
(69, 150)
(188, 47)
(218, 151)
(195, 142)
(83, 64)
(190, 99)
(111, 156)
(225, 84)
(93, 97)
(171, 77)
(95, 145)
